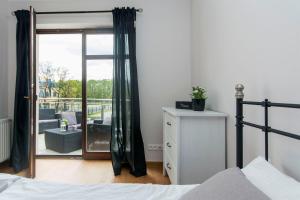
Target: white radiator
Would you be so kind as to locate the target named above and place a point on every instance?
(5, 139)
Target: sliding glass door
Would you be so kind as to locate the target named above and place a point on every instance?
(97, 92)
(75, 69)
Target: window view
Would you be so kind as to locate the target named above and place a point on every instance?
(60, 128)
(60, 93)
(100, 44)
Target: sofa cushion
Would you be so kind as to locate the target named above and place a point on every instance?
(107, 121)
(48, 124)
(70, 117)
(46, 114)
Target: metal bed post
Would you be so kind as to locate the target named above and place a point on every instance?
(265, 128)
(239, 94)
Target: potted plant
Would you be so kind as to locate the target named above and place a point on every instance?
(66, 123)
(198, 98)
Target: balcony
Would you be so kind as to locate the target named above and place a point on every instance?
(52, 111)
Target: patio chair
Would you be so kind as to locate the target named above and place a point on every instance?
(99, 131)
(47, 120)
(73, 118)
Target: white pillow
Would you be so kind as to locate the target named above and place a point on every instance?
(70, 117)
(107, 121)
(271, 181)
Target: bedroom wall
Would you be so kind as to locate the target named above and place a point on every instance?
(3, 59)
(255, 43)
(163, 52)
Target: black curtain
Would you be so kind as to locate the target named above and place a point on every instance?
(20, 148)
(127, 145)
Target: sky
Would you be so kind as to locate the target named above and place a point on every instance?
(64, 50)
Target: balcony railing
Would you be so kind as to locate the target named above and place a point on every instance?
(98, 133)
(95, 107)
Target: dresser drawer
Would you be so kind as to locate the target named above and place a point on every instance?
(171, 149)
(171, 170)
(170, 127)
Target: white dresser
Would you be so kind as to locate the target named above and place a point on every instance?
(194, 145)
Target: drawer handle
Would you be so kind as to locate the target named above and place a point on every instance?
(169, 124)
(169, 145)
(168, 166)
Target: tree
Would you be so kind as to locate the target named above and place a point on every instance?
(99, 89)
(61, 86)
(69, 88)
(46, 77)
(58, 79)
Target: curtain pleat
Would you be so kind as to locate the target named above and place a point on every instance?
(127, 145)
(20, 149)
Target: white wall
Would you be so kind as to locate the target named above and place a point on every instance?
(256, 43)
(163, 53)
(3, 59)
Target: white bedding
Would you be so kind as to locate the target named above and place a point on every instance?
(259, 172)
(27, 189)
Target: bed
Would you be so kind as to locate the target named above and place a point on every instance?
(258, 180)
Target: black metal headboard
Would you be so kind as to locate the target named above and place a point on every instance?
(265, 128)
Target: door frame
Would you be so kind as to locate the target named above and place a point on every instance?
(85, 154)
(32, 95)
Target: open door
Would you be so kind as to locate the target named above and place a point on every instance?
(33, 96)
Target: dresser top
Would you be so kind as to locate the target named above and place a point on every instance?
(190, 113)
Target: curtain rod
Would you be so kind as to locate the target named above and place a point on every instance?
(140, 10)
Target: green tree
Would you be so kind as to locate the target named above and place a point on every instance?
(69, 88)
(99, 89)
(58, 79)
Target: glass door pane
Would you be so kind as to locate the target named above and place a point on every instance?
(99, 44)
(60, 94)
(99, 104)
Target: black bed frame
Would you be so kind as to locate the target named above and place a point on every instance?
(265, 128)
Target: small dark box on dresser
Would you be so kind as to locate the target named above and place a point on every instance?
(183, 105)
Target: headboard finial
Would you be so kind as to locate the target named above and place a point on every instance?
(239, 94)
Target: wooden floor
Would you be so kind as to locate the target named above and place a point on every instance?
(4, 168)
(77, 171)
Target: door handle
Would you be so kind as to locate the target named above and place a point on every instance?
(168, 166)
(168, 145)
(28, 97)
(169, 124)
